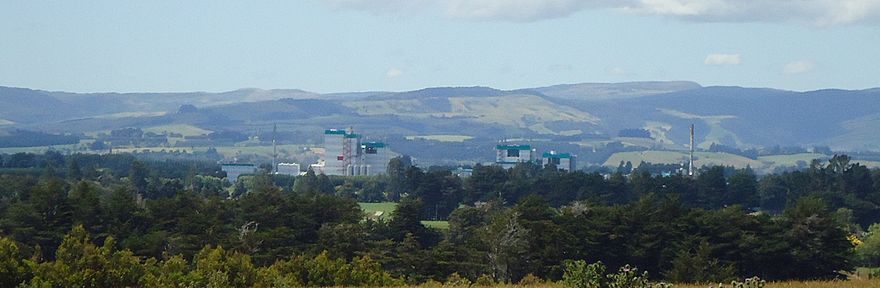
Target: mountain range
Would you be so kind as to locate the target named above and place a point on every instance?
(582, 114)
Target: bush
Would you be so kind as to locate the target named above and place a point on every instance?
(530, 279)
(455, 280)
(579, 274)
(485, 280)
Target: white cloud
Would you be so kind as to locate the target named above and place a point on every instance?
(723, 59)
(518, 10)
(798, 67)
(393, 73)
(813, 12)
(379, 6)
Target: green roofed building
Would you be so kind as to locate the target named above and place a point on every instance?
(346, 155)
(508, 155)
(563, 161)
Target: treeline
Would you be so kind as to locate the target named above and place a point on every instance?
(504, 224)
(25, 138)
(164, 165)
(839, 182)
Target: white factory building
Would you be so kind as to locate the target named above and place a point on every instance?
(346, 154)
(235, 170)
(508, 155)
(291, 169)
(563, 161)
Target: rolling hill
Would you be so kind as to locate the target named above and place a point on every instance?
(587, 115)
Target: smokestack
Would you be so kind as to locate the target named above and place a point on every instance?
(274, 149)
(691, 163)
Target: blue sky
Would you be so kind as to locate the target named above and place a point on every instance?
(361, 45)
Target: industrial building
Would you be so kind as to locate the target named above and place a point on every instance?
(235, 170)
(291, 169)
(345, 154)
(509, 155)
(563, 161)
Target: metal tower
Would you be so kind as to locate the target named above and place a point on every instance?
(274, 149)
(691, 162)
(346, 151)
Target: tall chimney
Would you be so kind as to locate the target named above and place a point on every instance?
(691, 163)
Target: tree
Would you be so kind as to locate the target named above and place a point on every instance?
(406, 219)
(698, 266)
(508, 242)
(307, 183)
(711, 187)
(86, 205)
(396, 172)
(743, 189)
(13, 268)
(80, 263)
(440, 193)
(820, 249)
(868, 251)
(138, 175)
(41, 218)
(486, 182)
(73, 170)
(773, 193)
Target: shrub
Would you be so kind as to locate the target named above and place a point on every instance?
(579, 274)
(455, 280)
(485, 280)
(530, 279)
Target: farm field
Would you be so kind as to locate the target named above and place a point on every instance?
(386, 208)
(182, 129)
(441, 138)
(284, 151)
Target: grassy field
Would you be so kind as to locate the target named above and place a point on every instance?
(441, 138)
(385, 209)
(183, 129)
(519, 110)
(284, 151)
(442, 225)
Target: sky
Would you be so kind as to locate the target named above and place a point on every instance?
(397, 45)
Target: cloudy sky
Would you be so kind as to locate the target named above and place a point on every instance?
(359, 45)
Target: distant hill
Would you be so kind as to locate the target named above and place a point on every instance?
(26, 106)
(612, 91)
(587, 114)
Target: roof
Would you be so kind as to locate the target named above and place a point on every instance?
(513, 147)
(556, 155)
(373, 145)
(510, 162)
(335, 131)
(234, 164)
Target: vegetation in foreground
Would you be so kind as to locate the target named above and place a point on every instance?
(504, 225)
